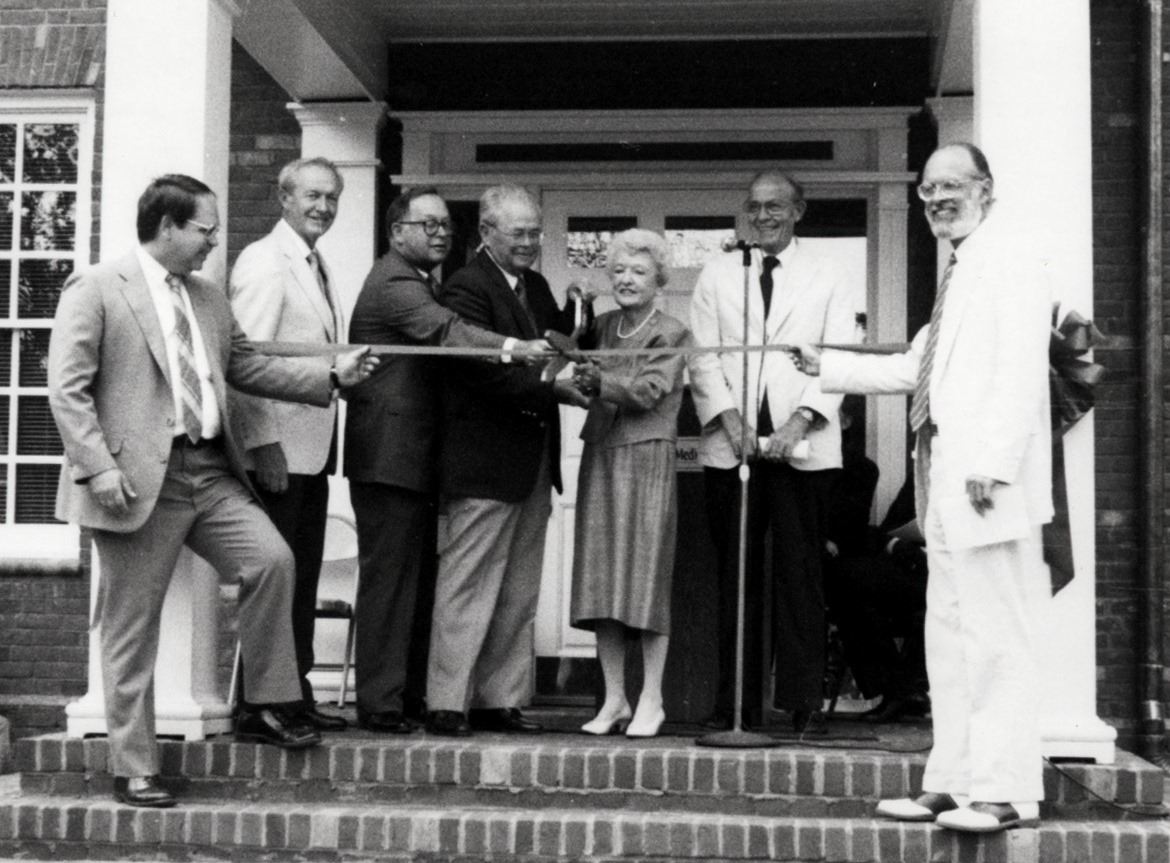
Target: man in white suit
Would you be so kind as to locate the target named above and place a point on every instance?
(979, 375)
(280, 290)
(795, 296)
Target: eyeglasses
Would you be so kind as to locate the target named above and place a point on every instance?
(535, 235)
(926, 191)
(209, 231)
(431, 227)
(774, 209)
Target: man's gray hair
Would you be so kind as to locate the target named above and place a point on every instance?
(494, 199)
(286, 180)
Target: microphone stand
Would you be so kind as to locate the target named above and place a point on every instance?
(737, 736)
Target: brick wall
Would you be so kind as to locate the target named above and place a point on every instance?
(1118, 311)
(52, 43)
(264, 136)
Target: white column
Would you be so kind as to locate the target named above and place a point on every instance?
(1032, 118)
(167, 102)
(347, 134)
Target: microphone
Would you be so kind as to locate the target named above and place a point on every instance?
(727, 244)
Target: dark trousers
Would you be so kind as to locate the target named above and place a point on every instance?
(299, 513)
(878, 601)
(789, 506)
(396, 552)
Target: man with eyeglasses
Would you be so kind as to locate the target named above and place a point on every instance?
(980, 408)
(391, 440)
(141, 354)
(795, 295)
(499, 460)
(281, 290)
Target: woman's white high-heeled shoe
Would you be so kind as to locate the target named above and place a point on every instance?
(646, 726)
(608, 723)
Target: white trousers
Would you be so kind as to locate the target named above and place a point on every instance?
(984, 608)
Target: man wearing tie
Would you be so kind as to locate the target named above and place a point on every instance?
(140, 358)
(983, 489)
(795, 295)
(498, 463)
(280, 290)
(391, 443)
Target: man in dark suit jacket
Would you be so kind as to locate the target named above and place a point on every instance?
(391, 436)
(499, 457)
(141, 355)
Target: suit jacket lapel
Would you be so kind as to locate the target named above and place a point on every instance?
(520, 316)
(298, 265)
(785, 296)
(137, 294)
(954, 307)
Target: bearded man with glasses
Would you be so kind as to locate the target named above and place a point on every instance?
(391, 435)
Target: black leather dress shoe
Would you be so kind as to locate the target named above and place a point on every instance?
(894, 708)
(142, 791)
(270, 725)
(448, 723)
(506, 719)
(415, 708)
(311, 715)
(385, 721)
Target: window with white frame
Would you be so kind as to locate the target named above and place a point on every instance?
(46, 155)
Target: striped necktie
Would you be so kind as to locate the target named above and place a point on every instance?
(189, 389)
(920, 404)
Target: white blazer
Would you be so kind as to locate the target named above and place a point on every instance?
(812, 303)
(989, 382)
(275, 297)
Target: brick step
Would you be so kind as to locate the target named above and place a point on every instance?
(564, 770)
(53, 828)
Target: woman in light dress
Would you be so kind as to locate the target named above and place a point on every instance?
(626, 501)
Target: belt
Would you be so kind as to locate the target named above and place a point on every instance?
(184, 442)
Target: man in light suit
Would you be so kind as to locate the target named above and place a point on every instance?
(391, 442)
(795, 295)
(140, 358)
(498, 462)
(281, 290)
(979, 375)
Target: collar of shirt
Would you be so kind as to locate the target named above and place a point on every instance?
(293, 237)
(509, 277)
(785, 255)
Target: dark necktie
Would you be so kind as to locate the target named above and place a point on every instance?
(920, 403)
(764, 420)
(522, 296)
(190, 392)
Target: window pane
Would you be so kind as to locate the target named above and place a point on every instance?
(47, 220)
(4, 402)
(7, 152)
(36, 493)
(5, 364)
(40, 287)
(50, 152)
(34, 358)
(5, 286)
(7, 214)
(36, 433)
(693, 240)
(587, 238)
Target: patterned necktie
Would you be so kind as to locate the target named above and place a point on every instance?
(920, 404)
(190, 392)
(319, 273)
(764, 417)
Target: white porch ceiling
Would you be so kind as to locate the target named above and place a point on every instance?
(471, 20)
(338, 49)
